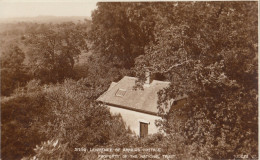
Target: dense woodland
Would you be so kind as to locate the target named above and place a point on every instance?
(52, 73)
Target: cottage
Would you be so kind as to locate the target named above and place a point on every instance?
(138, 108)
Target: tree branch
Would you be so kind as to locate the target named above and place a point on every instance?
(170, 68)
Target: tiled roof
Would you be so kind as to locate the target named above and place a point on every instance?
(123, 94)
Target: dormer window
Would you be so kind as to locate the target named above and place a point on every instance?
(120, 92)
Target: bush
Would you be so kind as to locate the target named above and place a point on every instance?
(19, 133)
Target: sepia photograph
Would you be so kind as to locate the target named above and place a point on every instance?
(129, 80)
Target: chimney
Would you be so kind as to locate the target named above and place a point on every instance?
(148, 78)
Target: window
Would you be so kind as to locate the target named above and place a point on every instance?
(120, 92)
(143, 129)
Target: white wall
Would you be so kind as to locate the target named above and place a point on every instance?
(133, 119)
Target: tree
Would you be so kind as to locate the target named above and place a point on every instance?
(208, 51)
(53, 50)
(120, 31)
(13, 70)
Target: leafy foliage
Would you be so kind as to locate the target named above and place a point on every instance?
(75, 119)
(51, 150)
(120, 31)
(19, 134)
(54, 49)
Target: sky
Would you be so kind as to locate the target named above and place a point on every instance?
(33, 8)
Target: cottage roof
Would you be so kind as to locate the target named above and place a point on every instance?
(122, 94)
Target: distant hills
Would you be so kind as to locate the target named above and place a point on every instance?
(44, 19)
